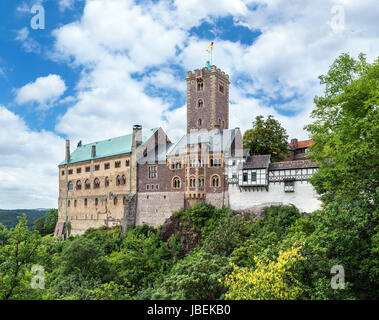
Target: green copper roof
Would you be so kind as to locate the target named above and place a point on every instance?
(107, 148)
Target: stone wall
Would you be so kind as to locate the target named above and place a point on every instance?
(155, 207)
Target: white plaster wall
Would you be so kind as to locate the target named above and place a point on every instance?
(304, 197)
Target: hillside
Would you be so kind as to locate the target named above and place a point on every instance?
(9, 217)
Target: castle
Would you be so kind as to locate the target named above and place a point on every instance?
(143, 177)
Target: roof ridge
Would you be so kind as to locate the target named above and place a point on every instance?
(124, 135)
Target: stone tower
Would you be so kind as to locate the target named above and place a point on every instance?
(207, 99)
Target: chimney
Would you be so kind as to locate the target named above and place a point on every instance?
(137, 135)
(93, 152)
(67, 158)
(294, 143)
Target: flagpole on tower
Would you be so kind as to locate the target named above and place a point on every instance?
(211, 52)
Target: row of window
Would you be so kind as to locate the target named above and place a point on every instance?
(107, 166)
(85, 202)
(197, 163)
(120, 180)
(200, 86)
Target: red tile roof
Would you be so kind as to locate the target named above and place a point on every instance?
(303, 144)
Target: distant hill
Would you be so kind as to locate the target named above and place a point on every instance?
(9, 217)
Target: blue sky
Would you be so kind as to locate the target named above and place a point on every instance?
(100, 66)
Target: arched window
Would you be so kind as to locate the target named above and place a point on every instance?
(192, 182)
(176, 183)
(200, 84)
(200, 104)
(96, 183)
(87, 184)
(106, 182)
(96, 202)
(78, 185)
(70, 185)
(215, 181)
(201, 182)
(123, 180)
(199, 122)
(118, 180)
(178, 165)
(127, 163)
(115, 201)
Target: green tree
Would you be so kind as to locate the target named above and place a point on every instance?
(195, 278)
(46, 225)
(267, 137)
(17, 255)
(346, 132)
(269, 280)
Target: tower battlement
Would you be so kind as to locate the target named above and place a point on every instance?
(191, 75)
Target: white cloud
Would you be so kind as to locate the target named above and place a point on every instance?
(28, 43)
(44, 91)
(28, 166)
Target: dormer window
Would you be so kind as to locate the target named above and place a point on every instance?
(200, 84)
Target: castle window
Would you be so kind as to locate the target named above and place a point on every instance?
(200, 84)
(223, 124)
(164, 197)
(152, 187)
(70, 186)
(87, 185)
(124, 200)
(157, 186)
(118, 180)
(127, 163)
(78, 185)
(200, 104)
(244, 177)
(107, 166)
(115, 201)
(153, 172)
(106, 182)
(289, 186)
(88, 169)
(96, 202)
(178, 165)
(192, 182)
(199, 122)
(215, 181)
(85, 202)
(201, 182)
(75, 203)
(78, 170)
(176, 183)
(221, 88)
(96, 183)
(62, 172)
(97, 167)
(70, 171)
(68, 203)
(117, 164)
(123, 180)
(147, 187)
